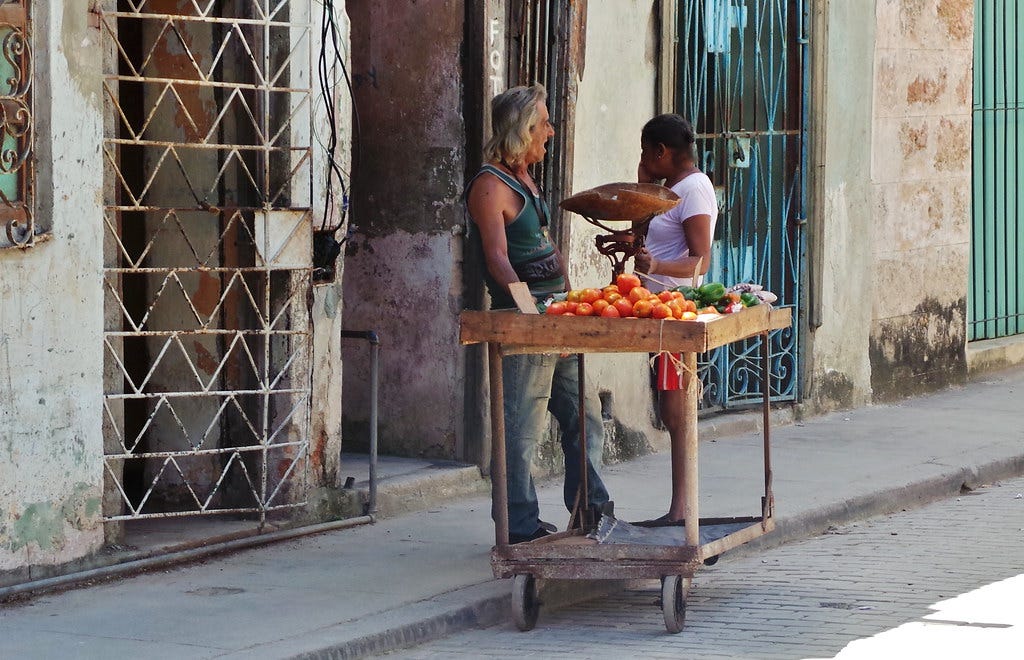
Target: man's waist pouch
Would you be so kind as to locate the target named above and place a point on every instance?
(539, 269)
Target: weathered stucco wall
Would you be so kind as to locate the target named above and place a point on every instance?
(325, 440)
(51, 314)
(921, 185)
(839, 373)
(616, 97)
(401, 265)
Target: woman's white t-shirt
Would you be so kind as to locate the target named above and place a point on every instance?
(666, 239)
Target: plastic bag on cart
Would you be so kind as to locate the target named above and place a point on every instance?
(611, 530)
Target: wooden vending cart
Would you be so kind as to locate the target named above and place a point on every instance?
(575, 554)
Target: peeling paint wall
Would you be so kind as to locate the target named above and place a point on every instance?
(921, 181)
(402, 263)
(51, 314)
(838, 373)
(325, 439)
(616, 98)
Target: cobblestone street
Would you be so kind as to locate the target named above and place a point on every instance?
(813, 598)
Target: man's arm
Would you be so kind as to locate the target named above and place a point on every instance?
(488, 202)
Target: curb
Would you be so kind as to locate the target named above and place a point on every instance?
(495, 606)
(884, 502)
(492, 607)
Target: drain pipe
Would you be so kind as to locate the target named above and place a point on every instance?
(374, 339)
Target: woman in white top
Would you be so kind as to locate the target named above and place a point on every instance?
(677, 251)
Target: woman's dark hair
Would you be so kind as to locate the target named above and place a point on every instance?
(671, 130)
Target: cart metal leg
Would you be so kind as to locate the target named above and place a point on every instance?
(499, 477)
(768, 504)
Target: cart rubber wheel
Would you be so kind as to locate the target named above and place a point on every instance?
(673, 601)
(525, 605)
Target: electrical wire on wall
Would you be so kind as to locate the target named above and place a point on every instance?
(327, 246)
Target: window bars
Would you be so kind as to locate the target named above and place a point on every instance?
(17, 167)
(208, 248)
(995, 301)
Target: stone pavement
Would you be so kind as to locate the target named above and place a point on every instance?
(942, 581)
(416, 577)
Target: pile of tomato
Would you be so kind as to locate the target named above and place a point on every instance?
(627, 298)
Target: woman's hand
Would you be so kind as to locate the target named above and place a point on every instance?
(643, 176)
(642, 261)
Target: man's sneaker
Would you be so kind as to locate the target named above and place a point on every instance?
(551, 529)
(539, 533)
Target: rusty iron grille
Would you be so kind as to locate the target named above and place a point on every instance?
(17, 173)
(541, 47)
(207, 256)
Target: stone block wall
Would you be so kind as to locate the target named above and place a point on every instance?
(921, 185)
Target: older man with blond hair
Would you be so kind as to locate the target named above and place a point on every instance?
(509, 223)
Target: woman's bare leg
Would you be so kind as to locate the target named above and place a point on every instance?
(673, 416)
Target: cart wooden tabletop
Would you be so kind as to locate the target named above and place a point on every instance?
(541, 333)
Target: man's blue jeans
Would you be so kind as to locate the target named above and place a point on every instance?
(533, 386)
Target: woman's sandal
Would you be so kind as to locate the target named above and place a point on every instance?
(663, 521)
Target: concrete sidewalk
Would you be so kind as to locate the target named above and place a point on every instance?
(406, 579)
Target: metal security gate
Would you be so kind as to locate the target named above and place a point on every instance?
(207, 256)
(995, 302)
(742, 66)
(546, 47)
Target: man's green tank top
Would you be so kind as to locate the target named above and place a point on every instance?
(530, 250)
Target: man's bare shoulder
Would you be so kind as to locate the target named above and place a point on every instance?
(489, 184)
(490, 194)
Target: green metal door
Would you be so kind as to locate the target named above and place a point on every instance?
(995, 302)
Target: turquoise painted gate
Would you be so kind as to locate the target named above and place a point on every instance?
(995, 302)
(742, 80)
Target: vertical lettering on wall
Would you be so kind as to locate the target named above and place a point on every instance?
(494, 78)
(495, 46)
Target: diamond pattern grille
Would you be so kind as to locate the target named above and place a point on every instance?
(207, 240)
(742, 78)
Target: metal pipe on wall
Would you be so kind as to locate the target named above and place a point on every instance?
(168, 559)
(373, 338)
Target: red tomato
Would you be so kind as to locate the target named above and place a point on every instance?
(624, 306)
(600, 305)
(627, 282)
(665, 296)
(661, 311)
(584, 309)
(639, 293)
(642, 309)
(611, 311)
(590, 295)
(556, 308)
(571, 306)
